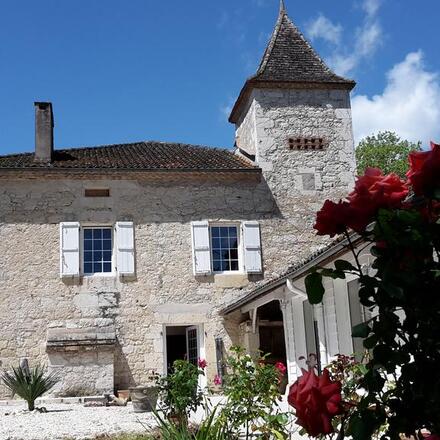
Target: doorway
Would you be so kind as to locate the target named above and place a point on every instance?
(271, 335)
(182, 342)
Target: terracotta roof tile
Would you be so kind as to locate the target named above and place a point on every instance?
(142, 156)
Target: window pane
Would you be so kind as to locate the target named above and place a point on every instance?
(233, 243)
(224, 232)
(216, 266)
(97, 249)
(88, 268)
(107, 267)
(224, 248)
(225, 243)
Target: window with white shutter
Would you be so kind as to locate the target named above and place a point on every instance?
(69, 249)
(201, 247)
(252, 247)
(125, 260)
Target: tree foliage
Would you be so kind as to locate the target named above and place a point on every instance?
(386, 151)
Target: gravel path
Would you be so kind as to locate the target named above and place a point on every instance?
(69, 421)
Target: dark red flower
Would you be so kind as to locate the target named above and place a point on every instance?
(424, 172)
(372, 191)
(202, 363)
(316, 399)
(332, 218)
(281, 367)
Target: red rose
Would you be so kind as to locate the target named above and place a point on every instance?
(372, 191)
(202, 363)
(332, 218)
(316, 399)
(424, 172)
(281, 367)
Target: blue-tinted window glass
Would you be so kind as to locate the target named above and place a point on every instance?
(224, 248)
(97, 247)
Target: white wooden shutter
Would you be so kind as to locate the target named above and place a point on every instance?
(69, 249)
(201, 247)
(252, 247)
(343, 320)
(125, 248)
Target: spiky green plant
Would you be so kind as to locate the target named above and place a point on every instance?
(29, 383)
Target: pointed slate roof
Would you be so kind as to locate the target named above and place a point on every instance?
(289, 61)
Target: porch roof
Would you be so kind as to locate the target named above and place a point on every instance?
(325, 254)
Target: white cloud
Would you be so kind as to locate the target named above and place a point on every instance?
(408, 104)
(367, 38)
(322, 27)
(371, 6)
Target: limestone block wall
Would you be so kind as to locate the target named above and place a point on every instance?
(301, 180)
(165, 291)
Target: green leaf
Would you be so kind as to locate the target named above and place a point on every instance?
(370, 342)
(343, 265)
(361, 330)
(331, 273)
(315, 289)
(394, 291)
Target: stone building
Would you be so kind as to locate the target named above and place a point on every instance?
(118, 259)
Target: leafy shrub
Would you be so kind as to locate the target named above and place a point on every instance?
(179, 391)
(29, 384)
(252, 391)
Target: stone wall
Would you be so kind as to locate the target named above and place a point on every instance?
(165, 291)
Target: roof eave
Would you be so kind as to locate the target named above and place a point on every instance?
(130, 173)
(255, 83)
(324, 257)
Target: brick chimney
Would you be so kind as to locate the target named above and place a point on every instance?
(43, 131)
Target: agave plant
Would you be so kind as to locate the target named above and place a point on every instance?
(29, 383)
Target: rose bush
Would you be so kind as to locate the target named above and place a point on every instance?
(399, 222)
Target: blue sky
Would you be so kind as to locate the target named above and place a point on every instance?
(121, 71)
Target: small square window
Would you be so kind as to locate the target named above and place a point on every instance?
(97, 250)
(224, 248)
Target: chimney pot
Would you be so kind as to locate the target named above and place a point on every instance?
(43, 131)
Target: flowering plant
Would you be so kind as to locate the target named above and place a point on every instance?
(400, 222)
(179, 391)
(252, 391)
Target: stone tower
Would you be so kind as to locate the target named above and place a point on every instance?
(293, 118)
